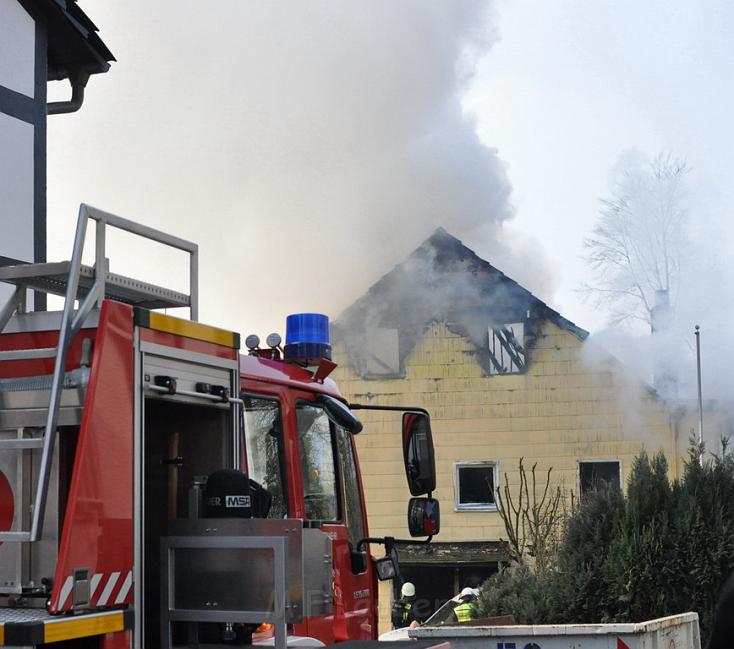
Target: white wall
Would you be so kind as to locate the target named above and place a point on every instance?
(17, 48)
(17, 73)
(16, 192)
(16, 188)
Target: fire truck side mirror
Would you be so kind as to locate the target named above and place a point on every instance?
(385, 568)
(418, 456)
(424, 517)
(340, 414)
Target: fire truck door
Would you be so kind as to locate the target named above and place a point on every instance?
(332, 500)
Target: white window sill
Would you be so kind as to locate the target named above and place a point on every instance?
(475, 508)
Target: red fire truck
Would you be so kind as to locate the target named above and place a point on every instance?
(158, 489)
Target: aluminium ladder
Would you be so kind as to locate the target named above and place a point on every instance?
(88, 286)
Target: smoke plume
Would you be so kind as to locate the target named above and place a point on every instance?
(702, 294)
(307, 147)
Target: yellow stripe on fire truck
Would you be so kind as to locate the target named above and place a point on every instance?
(84, 626)
(187, 328)
(35, 631)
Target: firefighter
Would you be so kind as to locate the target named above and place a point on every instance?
(467, 609)
(403, 611)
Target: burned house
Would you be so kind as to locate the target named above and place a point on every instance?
(505, 377)
(444, 281)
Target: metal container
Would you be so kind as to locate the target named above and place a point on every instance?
(677, 631)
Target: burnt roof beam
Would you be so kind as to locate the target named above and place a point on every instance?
(501, 369)
(509, 344)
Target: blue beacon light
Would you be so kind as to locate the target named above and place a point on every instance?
(307, 338)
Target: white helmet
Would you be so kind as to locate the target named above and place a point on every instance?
(469, 592)
(408, 590)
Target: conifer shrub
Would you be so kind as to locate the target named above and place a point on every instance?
(661, 549)
(516, 591)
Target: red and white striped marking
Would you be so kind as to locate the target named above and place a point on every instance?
(105, 589)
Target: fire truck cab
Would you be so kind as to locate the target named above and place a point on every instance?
(158, 489)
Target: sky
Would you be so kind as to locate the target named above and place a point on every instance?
(309, 147)
(572, 85)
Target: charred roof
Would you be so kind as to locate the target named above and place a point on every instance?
(444, 281)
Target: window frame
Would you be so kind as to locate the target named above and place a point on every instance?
(581, 461)
(476, 507)
(342, 473)
(340, 516)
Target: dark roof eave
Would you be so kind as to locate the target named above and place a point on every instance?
(564, 323)
(73, 42)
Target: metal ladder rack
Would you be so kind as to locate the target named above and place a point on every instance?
(89, 286)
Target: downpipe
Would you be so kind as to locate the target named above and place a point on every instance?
(78, 81)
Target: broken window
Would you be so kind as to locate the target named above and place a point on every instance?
(475, 484)
(599, 474)
(382, 358)
(507, 348)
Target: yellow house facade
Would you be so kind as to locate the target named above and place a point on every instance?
(504, 377)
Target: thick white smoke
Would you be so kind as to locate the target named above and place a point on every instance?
(306, 146)
(702, 294)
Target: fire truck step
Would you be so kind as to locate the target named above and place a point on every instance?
(29, 627)
(27, 354)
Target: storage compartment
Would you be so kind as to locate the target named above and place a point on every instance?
(242, 571)
(181, 441)
(226, 578)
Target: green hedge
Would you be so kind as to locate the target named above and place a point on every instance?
(662, 549)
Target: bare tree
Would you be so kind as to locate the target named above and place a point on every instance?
(534, 523)
(636, 246)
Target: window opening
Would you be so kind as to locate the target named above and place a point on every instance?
(382, 352)
(475, 486)
(318, 464)
(507, 348)
(597, 475)
(265, 450)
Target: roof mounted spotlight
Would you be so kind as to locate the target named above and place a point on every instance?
(273, 340)
(252, 342)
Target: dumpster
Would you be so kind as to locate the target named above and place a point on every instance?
(674, 632)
